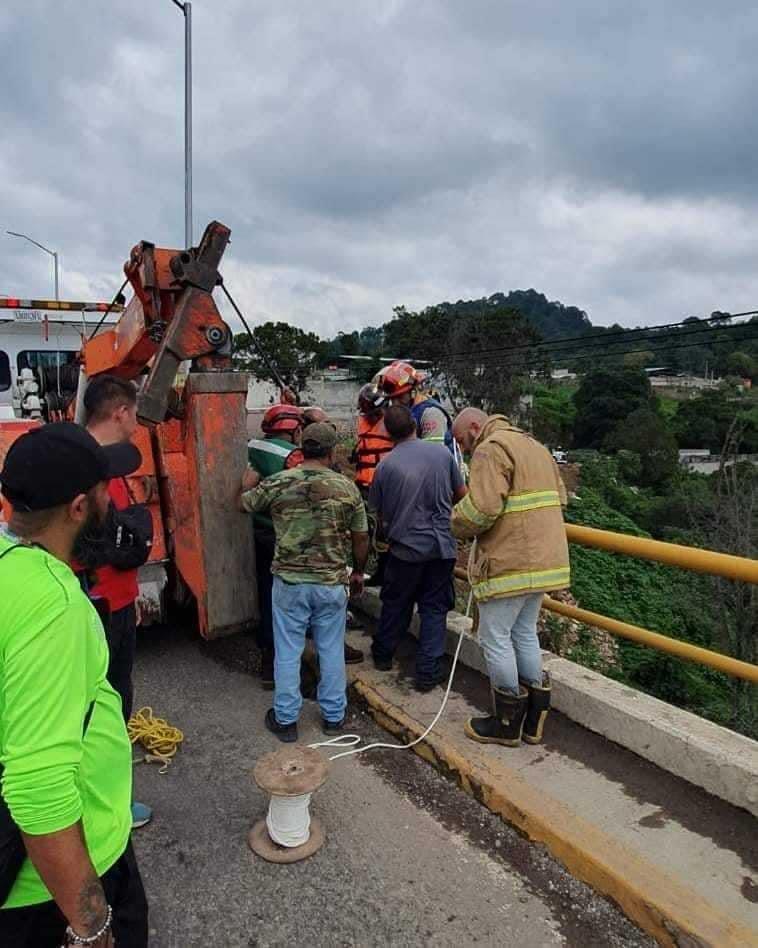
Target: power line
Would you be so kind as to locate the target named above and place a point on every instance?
(604, 335)
(654, 333)
(527, 363)
(659, 341)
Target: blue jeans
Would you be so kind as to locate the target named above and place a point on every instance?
(296, 608)
(508, 637)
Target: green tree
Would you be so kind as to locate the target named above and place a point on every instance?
(290, 350)
(553, 414)
(639, 360)
(372, 340)
(706, 421)
(742, 365)
(421, 335)
(605, 398)
(459, 346)
(645, 434)
(477, 376)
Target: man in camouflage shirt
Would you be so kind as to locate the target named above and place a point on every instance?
(320, 524)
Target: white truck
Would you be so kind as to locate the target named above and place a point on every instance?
(39, 344)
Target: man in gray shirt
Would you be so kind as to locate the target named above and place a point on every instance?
(413, 492)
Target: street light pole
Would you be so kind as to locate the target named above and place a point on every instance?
(53, 254)
(186, 8)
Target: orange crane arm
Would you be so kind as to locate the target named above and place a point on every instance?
(171, 318)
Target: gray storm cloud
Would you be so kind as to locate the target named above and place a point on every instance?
(366, 154)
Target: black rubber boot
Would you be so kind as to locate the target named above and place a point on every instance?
(538, 706)
(267, 668)
(504, 727)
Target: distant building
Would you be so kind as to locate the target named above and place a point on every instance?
(684, 382)
(689, 456)
(562, 375)
(701, 461)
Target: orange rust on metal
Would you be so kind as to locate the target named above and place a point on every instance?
(183, 538)
(215, 433)
(188, 338)
(123, 350)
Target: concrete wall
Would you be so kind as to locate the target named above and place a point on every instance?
(709, 756)
(338, 398)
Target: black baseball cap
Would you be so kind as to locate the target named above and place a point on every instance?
(51, 465)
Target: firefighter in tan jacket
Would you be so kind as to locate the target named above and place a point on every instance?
(513, 509)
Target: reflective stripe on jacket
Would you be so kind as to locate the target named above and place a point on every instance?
(514, 508)
(268, 456)
(373, 444)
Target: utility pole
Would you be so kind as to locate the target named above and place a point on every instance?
(186, 8)
(53, 254)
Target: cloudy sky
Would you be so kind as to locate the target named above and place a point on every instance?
(367, 153)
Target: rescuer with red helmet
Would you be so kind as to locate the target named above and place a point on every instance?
(373, 440)
(374, 443)
(401, 384)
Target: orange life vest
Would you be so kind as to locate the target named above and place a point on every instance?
(373, 444)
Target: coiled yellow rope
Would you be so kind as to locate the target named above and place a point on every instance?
(160, 739)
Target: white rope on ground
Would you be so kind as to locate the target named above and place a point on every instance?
(353, 740)
(288, 820)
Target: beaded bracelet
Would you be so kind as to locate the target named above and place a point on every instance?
(73, 939)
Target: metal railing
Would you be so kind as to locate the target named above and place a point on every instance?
(671, 554)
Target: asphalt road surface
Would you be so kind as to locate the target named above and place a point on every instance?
(409, 858)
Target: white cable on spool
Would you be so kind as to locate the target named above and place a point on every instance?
(289, 776)
(288, 820)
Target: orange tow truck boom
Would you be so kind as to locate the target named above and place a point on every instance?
(192, 438)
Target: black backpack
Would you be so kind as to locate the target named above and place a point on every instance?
(127, 539)
(12, 849)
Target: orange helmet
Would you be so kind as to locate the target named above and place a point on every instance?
(282, 418)
(397, 379)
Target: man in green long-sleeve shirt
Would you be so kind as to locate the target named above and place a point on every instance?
(64, 749)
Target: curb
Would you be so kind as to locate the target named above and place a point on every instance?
(674, 915)
(705, 754)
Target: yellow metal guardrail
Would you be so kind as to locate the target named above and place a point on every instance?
(662, 643)
(671, 554)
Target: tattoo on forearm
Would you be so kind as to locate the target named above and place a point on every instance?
(92, 905)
